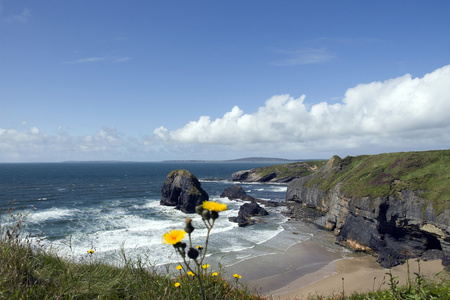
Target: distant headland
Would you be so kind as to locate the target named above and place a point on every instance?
(243, 160)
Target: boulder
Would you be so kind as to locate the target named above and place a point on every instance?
(182, 190)
(246, 211)
(236, 192)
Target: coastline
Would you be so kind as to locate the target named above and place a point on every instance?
(288, 256)
(319, 266)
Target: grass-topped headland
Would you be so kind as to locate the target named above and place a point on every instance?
(427, 173)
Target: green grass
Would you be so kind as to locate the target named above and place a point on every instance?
(420, 288)
(387, 174)
(36, 274)
(29, 271)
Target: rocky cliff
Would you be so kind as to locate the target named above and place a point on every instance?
(279, 173)
(182, 190)
(396, 205)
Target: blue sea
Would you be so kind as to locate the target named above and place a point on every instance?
(113, 208)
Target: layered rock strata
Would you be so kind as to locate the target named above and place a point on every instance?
(396, 226)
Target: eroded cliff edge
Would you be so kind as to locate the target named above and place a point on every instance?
(278, 173)
(396, 204)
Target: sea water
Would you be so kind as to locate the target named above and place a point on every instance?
(114, 208)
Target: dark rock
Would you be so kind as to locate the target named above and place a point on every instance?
(246, 211)
(240, 176)
(182, 190)
(236, 192)
(432, 254)
(254, 175)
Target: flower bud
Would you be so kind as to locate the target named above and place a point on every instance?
(199, 209)
(214, 215)
(189, 228)
(193, 253)
(206, 214)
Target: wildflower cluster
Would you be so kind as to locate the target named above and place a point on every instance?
(193, 256)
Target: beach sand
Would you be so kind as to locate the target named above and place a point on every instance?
(359, 274)
(318, 266)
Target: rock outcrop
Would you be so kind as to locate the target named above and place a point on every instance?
(371, 206)
(182, 190)
(246, 211)
(236, 192)
(280, 173)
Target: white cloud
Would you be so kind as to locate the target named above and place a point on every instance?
(34, 145)
(400, 114)
(34, 130)
(395, 112)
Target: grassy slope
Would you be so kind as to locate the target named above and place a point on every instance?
(27, 274)
(387, 174)
(31, 274)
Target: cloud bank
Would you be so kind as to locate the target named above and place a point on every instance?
(400, 114)
(396, 111)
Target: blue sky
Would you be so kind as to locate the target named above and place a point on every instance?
(156, 80)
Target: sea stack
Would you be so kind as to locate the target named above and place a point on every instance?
(182, 190)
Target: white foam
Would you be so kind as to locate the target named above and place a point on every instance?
(51, 214)
(280, 189)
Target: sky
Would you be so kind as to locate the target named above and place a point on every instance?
(152, 80)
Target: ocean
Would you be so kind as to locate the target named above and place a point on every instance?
(113, 208)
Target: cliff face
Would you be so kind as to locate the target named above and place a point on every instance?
(279, 173)
(383, 203)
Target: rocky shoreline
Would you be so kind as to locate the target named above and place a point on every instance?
(390, 218)
(394, 223)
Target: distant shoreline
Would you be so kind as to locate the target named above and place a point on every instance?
(245, 160)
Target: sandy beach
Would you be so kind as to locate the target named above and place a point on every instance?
(318, 266)
(359, 274)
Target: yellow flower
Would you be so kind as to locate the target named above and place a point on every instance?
(214, 274)
(177, 284)
(205, 266)
(179, 267)
(199, 247)
(237, 276)
(214, 206)
(90, 251)
(190, 273)
(174, 236)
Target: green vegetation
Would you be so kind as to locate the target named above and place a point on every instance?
(291, 170)
(388, 174)
(30, 273)
(420, 288)
(27, 271)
